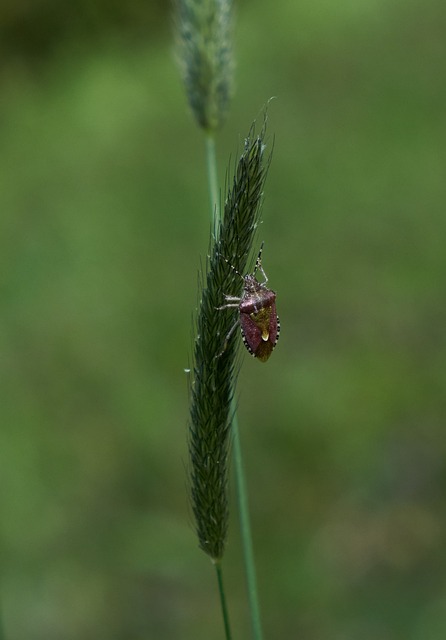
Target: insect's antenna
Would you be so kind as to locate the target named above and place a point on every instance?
(259, 259)
(232, 267)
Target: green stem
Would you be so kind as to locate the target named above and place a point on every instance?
(245, 531)
(242, 496)
(224, 608)
(211, 161)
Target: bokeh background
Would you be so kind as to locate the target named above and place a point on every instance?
(104, 217)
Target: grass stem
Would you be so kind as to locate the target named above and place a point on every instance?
(245, 532)
(224, 608)
(211, 161)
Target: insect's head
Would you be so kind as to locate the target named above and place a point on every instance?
(251, 283)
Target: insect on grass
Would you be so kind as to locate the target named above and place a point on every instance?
(258, 319)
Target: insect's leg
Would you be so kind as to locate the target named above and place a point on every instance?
(229, 334)
(231, 302)
(231, 305)
(233, 298)
(263, 274)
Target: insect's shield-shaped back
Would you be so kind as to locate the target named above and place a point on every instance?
(258, 318)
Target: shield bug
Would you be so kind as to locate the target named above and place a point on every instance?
(258, 318)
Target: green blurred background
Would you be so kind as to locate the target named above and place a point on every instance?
(104, 217)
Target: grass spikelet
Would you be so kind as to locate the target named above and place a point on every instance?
(214, 372)
(204, 50)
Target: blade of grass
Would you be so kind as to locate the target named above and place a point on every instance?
(241, 490)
